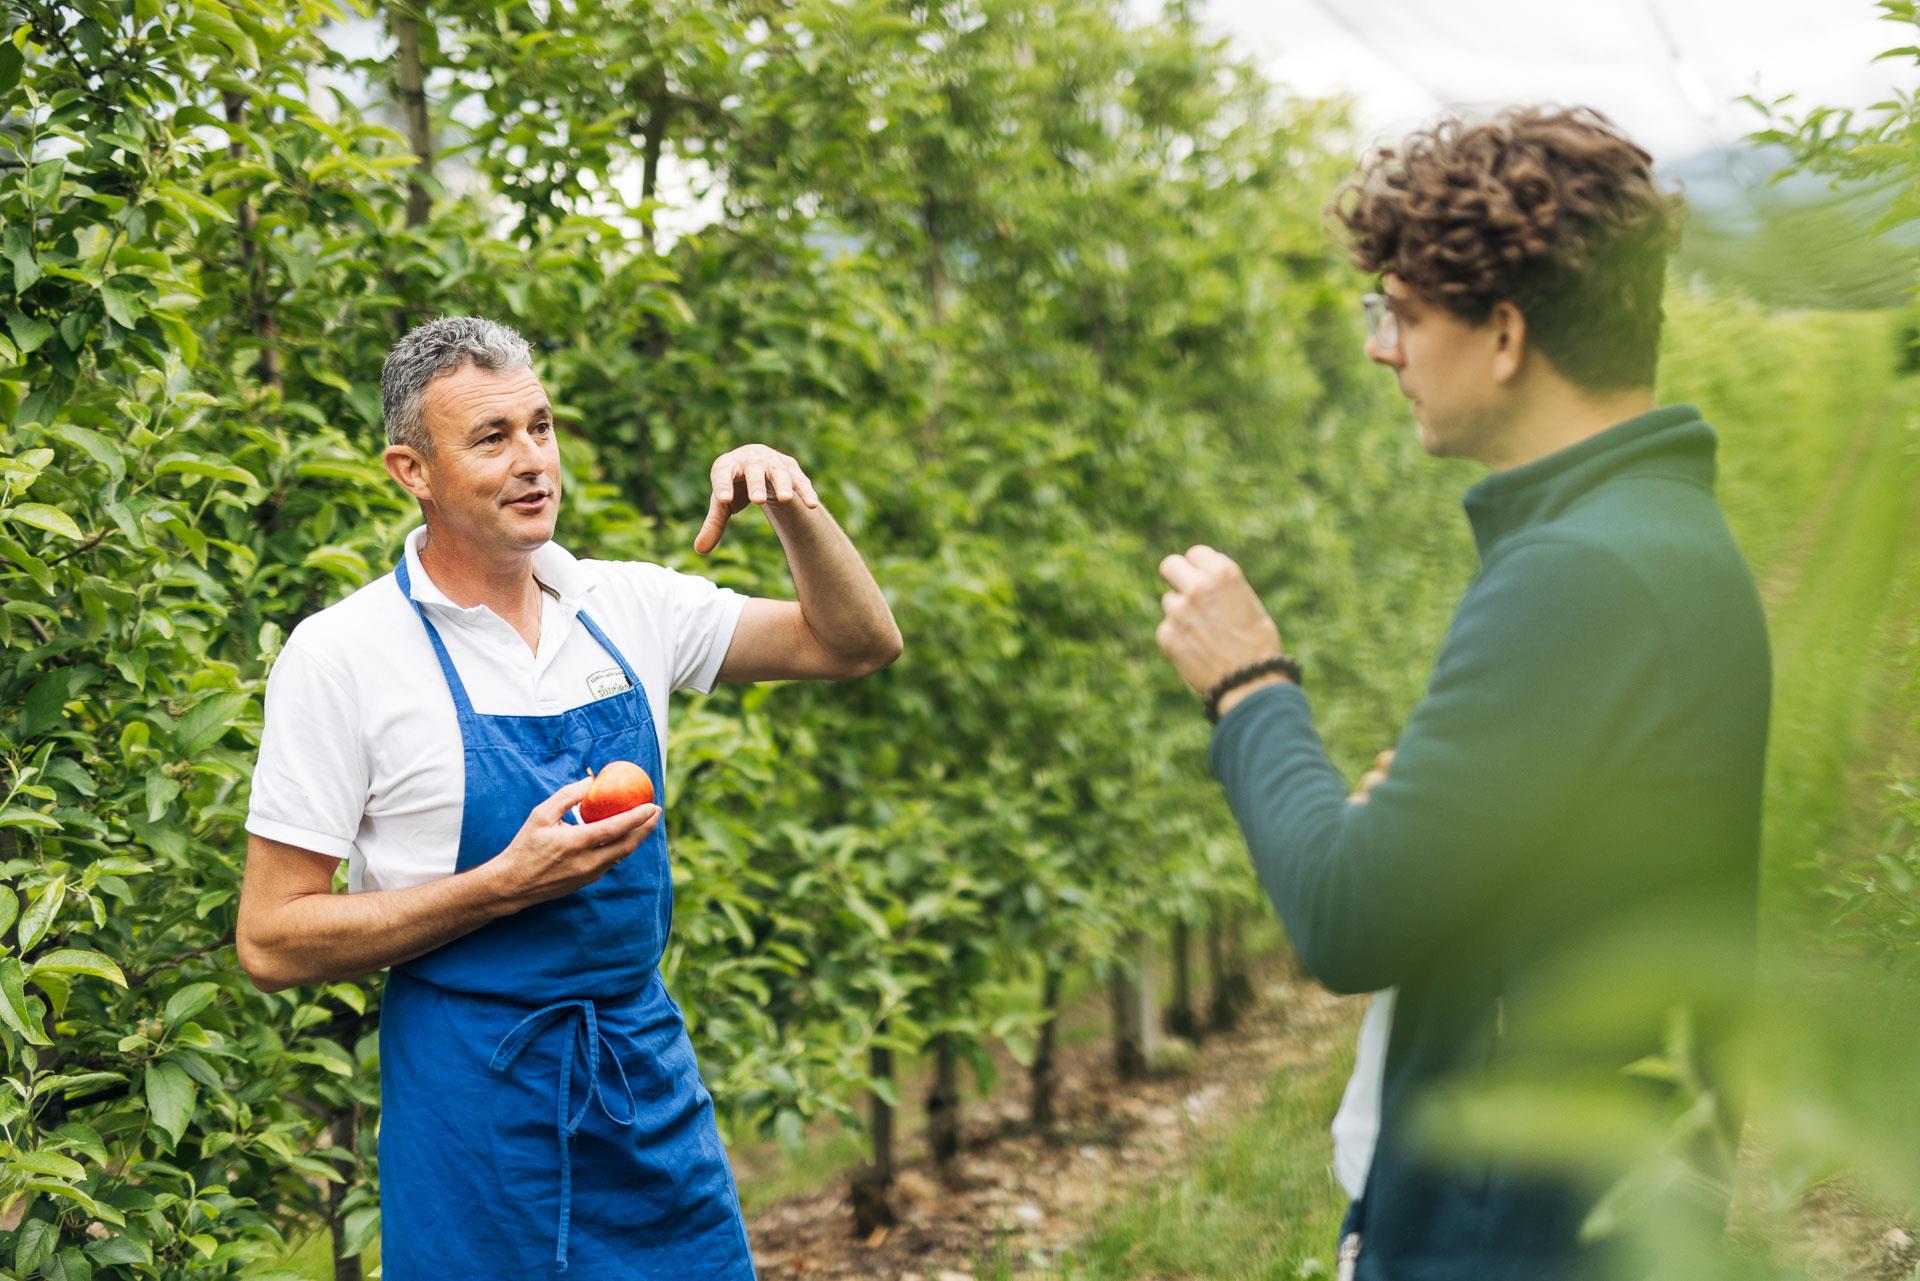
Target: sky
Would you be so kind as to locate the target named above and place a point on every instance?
(1669, 71)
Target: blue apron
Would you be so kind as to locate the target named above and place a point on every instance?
(541, 1109)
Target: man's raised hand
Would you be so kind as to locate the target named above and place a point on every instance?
(750, 474)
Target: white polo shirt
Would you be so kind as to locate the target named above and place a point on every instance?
(361, 754)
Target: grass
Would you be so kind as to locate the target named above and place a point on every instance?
(1261, 1204)
(1843, 713)
(1838, 663)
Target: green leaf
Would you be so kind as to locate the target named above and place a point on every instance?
(45, 703)
(11, 61)
(69, 771)
(73, 960)
(41, 516)
(56, 988)
(14, 1010)
(789, 1130)
(162, 788)
(170, 1097)
(69, 1265)
(21, 816)
(216, 19)
(359, 1230)
(864, 910)
(214, 469)
(36, 568)
(181, 197)
(119, 1249)
(189, 1001)
(122, 303)
(342, 562)
(54, 1187)
(202, 727)
(9, 909)
(40, 913)
(35, 1245)
(28, 333)
(49, 1163)
(18, 250)
(44, 179)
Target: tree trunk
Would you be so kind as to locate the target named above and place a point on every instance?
(1232, 991)
(651, 340)
(1180, 1020)
(659, 107)
(936, 284)
(872, 1184)
(943, 1107)
(253, 263)
(344, 1131)
(1222, 1011)
(1129, 1048)
(1041, 1073)
(412, 92)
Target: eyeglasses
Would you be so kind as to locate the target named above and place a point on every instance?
(1382, 325)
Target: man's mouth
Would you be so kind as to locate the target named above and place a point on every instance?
(530, 502)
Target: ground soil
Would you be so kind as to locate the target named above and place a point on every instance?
(1022, 1196)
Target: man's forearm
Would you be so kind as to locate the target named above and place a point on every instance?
(319, 937)
(838, 596)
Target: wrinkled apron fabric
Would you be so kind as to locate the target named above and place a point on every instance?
(541, 1109)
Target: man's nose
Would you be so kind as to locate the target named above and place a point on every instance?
(1379, 355)
(527, 454)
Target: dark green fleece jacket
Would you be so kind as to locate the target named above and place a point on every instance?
(1589, 752)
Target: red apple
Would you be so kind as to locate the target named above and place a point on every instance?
(617, 788)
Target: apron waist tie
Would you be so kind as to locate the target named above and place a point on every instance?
(586, 1029)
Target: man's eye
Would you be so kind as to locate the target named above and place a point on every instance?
(542, 429)
(490, 438)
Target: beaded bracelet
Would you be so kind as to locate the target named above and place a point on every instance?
(1279, 663)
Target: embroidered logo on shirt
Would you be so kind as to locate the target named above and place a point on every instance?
(608, 682)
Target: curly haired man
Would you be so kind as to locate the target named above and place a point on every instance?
(1546, 877)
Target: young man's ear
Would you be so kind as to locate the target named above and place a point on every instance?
(1509, 340)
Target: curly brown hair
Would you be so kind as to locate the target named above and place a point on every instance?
(1551, 208)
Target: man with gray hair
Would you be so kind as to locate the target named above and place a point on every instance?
(541, 1106)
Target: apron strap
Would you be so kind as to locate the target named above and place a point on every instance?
(584, 1026)
(460, 701)
(611, 648)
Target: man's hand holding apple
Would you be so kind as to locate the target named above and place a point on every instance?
(550, 856)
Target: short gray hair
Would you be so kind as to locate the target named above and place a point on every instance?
(440, 347)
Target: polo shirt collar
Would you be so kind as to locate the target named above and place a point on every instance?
(553, 565)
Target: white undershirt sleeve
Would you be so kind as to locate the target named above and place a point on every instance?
(310, 782)
(704, 616)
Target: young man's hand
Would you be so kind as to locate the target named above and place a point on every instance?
(1214, 624)
(1373, 777)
